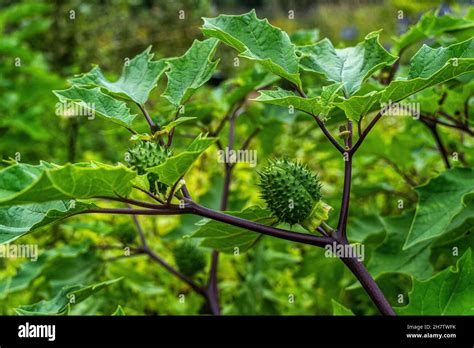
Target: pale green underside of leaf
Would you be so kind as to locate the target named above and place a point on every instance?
(258, 40)
(190, 71)
(440, 200)
(320, 105)
(175, 167)
(64, 300)
(339, 310)
(139, 76)
(429, 67)
(226, 238)
(450, 292)
(26, 184)
(17, 221)
(94, 101)
(349, 66)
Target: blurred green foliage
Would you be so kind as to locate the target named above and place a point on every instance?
(45, 42)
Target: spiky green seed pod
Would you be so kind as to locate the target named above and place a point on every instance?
(293, 193)
(147, 154)
(189, 258)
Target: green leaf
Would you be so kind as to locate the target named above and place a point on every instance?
(363, 227)
(139, 76)
(64, 300)
(168, 127)
(29, 271)
(236, 89)
(175, 167)
(440, 200)
(350, 66)
(226, 238)
(389, 257)
(450, 292)
(93, 101)
(431, 66)
(338, 309)
(119, 312)
(357, 106)
(258, 40)
(190, 71)
(320, 105)
(25, 184)
(431, 25)
(19, 220)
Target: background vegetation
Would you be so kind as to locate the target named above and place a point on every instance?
(43, 43)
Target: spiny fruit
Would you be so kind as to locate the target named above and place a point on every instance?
(293, 193)
(147, 154)
(189, 258)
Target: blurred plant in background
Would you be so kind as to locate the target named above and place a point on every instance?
(45, 42)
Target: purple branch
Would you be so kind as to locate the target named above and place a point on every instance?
(369, 284)
(173, 271)
(439, 143)
(321, 124)
(346, 193)
(153, 126)
(366, 131)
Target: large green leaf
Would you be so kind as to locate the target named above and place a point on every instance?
(95, 102)
(432, 25)
(431, 66)
(440, 200)
(29, 271)
(176, 166)
(390, 257)
(26, 184)
(16, 221)
(226, 238)
(190, 71)
(139, 76)
(450, 292)
(61, 304)
(320, 105)
(258, 40)
(351, 66)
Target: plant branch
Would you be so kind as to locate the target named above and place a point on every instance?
(146, 250)
(397, 169)
(366, 131)
(153, 126)
(321, 124)
(346, 192)
(173, 271)
(304, 238)
(439, 143)
(247, 141)
(369, 284)
(139, 228)
(149, 194)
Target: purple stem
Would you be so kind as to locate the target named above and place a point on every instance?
(346, 192)
(370, 286)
